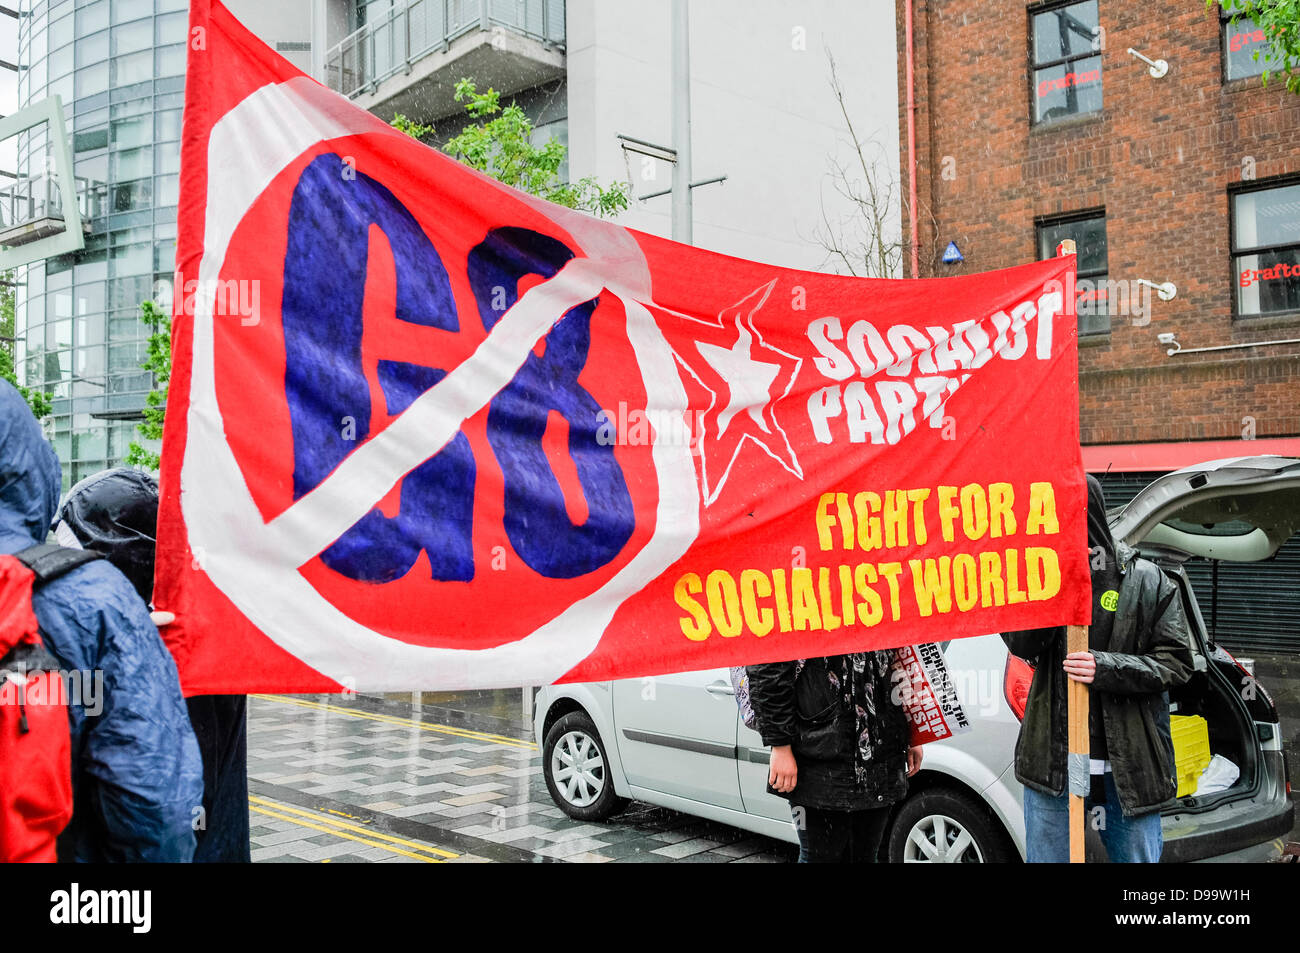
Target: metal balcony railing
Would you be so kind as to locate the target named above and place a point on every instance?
(413, 29)
(36, 201)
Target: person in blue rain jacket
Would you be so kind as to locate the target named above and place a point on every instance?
(136, 776)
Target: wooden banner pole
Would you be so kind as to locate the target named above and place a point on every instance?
(1076, 640)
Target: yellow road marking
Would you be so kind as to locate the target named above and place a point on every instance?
(346, 814)
(337, 833)
(372, 838)
(466, 733)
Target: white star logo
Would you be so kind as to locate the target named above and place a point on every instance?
(741, 364)
(748, 380)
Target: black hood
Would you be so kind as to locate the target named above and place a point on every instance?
(1100, 539)
(115, 513)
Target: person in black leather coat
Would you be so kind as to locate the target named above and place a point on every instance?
(1139, 648)
(841, 753)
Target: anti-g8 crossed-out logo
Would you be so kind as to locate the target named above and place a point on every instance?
(414, 406)
(323, 312)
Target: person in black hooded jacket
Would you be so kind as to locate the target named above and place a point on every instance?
(840, 739)
(115, 513)
(1138, 649)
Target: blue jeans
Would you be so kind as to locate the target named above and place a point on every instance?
(1128, 840)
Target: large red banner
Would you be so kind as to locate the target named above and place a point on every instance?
(428, 432)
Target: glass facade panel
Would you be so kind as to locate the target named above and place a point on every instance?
(119, 67)
(92, 17)
(91, 80)
(135, 68)
(92, 49)
(167, 125)
(124, 10)
(171, 28)
(61, 62)
(61, 31)
(136, 131)
(171, 61)
(132, 37)
(132, 163)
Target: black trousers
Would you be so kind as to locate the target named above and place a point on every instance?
(839, 837)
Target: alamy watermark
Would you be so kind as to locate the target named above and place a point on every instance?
(640, 428)
(83, 688)
(230, 297)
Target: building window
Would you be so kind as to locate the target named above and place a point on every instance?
(1066, 61)
(1266, 249)
(1246, 50)
(1088, 229)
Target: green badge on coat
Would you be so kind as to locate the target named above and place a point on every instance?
(1109, 600)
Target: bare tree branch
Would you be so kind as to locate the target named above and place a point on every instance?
(860, 241)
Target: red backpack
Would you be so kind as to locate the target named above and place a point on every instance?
(35, 756)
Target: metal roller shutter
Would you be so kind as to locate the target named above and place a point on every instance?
(1258, 608)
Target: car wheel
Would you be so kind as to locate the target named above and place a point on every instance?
(941, 826)
(577, 770)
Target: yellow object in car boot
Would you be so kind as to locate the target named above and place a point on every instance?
(1191, 750)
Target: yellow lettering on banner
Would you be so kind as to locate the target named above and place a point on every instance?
(782, 600)
(870, 610)
(695, 627)
(846, 594)
(965, 581)
(948, 513)
(1002, 522)
(1044, 573)
(932, 581)
(917, 498)
(895, 518)
(974, 511)
(1042, 510)
(754, 585)
(724, 603)
(804, 600)
(825, 521)
(864, 506)
(891, 572)
(830, 620)
(846, 518)
(992, 591)
(1014, 592)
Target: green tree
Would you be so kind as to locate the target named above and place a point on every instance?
(159, 361)
(1280, 21)
(38, 401)
(499, 142)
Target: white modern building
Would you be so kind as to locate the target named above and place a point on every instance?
(589, 71)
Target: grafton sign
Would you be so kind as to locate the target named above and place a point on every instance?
(474, 439)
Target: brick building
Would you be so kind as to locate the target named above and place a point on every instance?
(1039, 122)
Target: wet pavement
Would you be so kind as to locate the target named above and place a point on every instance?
(456, 778)
(362, 779)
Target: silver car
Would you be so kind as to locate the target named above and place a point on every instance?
(677, 741)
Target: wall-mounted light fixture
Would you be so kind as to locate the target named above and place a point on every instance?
(1157, 68)
(1170, 340)
(1165, 292)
